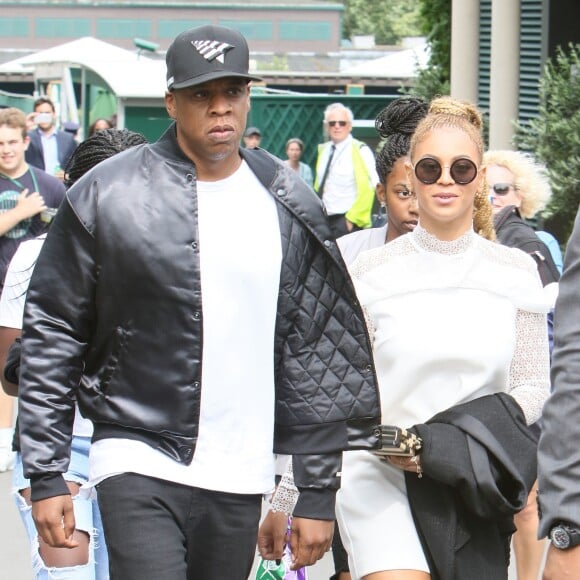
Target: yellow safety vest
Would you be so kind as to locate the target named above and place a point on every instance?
(360, 211)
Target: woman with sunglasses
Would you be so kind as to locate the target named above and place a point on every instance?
(461, 352)
(519, 190)
(395, 124)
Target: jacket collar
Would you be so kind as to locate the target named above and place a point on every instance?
(504, 214)
(276, 177)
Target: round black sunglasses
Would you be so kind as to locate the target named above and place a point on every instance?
(429, 170)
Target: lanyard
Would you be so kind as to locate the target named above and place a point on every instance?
(17, 183)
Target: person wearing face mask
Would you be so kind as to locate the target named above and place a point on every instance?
(345, 173)
(519, 190)
(50, 148)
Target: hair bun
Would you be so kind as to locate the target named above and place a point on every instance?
(457, 108)
(400, 117)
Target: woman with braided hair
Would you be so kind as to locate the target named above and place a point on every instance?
(460, 345)
(461, 354)
(88, 559)
(100, 146)
(396, 125)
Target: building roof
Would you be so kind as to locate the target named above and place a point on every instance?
(130, 74)
(127, 73)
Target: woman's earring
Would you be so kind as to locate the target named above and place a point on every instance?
(380, 219)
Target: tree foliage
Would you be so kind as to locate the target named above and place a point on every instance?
(554, 136)
(435, 22)
(388, 20)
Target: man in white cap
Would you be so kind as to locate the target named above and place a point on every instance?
(199, 348)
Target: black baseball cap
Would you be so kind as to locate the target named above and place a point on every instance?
(206, 53)
(252, 131)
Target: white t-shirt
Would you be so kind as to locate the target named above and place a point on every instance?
(13, 298)
(240, 256)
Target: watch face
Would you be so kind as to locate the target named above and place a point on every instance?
(560, 538)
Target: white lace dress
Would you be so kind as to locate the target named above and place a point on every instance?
(451, 321)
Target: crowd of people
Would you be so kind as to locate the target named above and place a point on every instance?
(401, 371)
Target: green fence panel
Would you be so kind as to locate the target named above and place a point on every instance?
(23, 102)
(280, 117)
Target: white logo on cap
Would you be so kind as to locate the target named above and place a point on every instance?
(212, 49)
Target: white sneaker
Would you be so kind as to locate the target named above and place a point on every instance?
(6, 453)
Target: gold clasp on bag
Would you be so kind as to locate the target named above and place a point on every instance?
(396, 441)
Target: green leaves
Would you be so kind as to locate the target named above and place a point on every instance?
(554, 136)
(388, 20)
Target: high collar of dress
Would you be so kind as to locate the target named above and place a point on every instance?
(430, 243)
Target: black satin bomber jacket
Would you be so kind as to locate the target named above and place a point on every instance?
(114, 313)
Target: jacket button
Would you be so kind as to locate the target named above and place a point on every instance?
(194, 245)
(368, 368)
(281, 192)
(327, 243)
(189, 177)
(196, 315)
(196, 385)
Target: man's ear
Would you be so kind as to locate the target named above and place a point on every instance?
(170, 104)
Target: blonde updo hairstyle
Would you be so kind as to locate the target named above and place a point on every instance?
(530, 179)
(446, 112)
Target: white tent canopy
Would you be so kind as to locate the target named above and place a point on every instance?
(399, 65)
(127, 73)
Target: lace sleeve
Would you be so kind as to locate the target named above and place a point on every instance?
(529, 378)
(286, 494)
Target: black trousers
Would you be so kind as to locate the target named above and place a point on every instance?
(159, 530)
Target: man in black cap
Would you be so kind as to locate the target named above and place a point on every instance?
(252, 137)
(198, 347)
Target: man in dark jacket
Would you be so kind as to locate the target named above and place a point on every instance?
(559, 454)
(514, 232)
(50, 149)
(198, 347)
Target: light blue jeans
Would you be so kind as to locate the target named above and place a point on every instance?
(87, 518)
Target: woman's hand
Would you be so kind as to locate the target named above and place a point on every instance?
(406, 463)
(272, 535)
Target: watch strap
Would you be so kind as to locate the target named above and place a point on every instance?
(570, 533)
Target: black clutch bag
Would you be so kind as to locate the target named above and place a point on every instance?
(397, 441)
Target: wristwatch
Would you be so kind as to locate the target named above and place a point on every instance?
(564, 536)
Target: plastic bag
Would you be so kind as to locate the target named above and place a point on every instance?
(269, 570)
